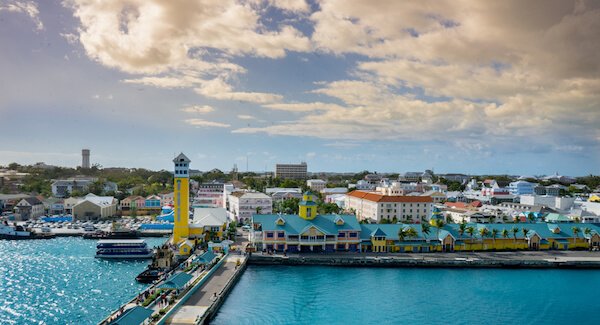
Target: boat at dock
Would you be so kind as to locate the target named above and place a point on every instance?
(123, 249)
(162, 263)
(16, 232)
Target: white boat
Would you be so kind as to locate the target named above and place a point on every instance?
(13, 232)
(19, 232)
(123, 249)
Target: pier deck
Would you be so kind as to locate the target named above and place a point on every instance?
(204, 303)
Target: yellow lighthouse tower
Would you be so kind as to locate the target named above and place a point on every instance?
(307, 207)
(181, 198)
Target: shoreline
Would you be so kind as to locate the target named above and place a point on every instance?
(508, 260)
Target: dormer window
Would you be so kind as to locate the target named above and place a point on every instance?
(280, 221)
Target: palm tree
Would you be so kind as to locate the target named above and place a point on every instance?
(483, 232)
(494, 234)
(439, 223)
(525, 231)
(471, 230)
(515, 231)
(587, 232)
(530, 217)
(411, 232)
(425, 229)
(505, 235)
(576, 233)
(462, 228)
(401, 234)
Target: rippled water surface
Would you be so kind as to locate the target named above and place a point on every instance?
(58, 281)
(336, 295)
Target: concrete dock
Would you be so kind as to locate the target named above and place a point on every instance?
(204, 303)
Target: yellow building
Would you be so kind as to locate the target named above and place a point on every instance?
(181, 200)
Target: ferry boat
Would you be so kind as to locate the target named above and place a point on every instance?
(123, 249)
(19, 232)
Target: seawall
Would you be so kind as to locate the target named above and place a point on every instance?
(429, 261)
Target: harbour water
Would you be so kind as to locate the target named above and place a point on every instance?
(58, 281)
(340, 295)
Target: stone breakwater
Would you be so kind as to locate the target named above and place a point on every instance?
(427, 261)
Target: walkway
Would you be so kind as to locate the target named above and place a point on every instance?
(197, 305)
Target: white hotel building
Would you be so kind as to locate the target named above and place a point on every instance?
(375, 207)
(242, 205)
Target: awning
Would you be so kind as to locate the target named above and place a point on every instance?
(176, 281)
(134, 316)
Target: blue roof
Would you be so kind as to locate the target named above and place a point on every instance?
(176, 281)
(309, 203)
(378, 233)
(134, 316)
(391, 231)
(294, 225)
(205, 258)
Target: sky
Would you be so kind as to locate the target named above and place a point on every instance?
(478, 87)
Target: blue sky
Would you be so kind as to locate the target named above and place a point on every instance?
(499, 87)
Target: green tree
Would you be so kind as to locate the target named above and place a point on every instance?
(576, 233)
(515, 231)
(425, 229)
(494, 235)
(525, 231)
(505, 235)
(470, 231)
(483, 232)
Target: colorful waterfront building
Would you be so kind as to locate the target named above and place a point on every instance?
(306, 231)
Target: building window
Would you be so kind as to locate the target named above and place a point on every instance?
(280, 234)
(269, 235)
(341, 235)
(353, 235)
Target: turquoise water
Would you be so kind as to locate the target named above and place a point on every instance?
(336, 295)
(58, 281)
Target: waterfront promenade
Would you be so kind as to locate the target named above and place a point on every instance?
(516, 259)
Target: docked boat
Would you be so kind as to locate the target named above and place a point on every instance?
(162, 263)
(123, 249)
(19, 232)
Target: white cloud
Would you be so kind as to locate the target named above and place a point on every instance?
(204, 123)
(202, 109)
(219, 89)
(246, 117)
(29, 8)
(181, 44)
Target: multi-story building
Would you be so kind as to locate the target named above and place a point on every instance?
(64, 187)
(305, 232)
(410, 177)
(29, 208)
(294, 171)
(375, 207)
(243, 204)
(152, 202)
(209, 195)
(555, 202)
(316, 184)
(521, 188)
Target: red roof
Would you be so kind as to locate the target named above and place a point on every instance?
(376, 197)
